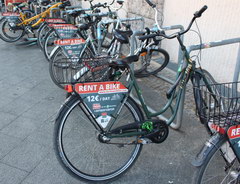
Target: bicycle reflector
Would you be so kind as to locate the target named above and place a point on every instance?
(68, 88)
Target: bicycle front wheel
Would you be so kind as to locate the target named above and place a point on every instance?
(42, 32)
(220, 166)
(151, 63)
(79, 150)
(199, 79)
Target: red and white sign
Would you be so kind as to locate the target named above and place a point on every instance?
(101, 87)
(96, 106)
(71, 41)
(234, 132)
(10, 14)
(54, 20)
(63, 26)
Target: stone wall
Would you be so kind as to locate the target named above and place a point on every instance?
(141, 8)
(136, 8)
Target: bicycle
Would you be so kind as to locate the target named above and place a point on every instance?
(75, 13)
(87, 21)
(218, 160)
(22, 25)
(115, 128)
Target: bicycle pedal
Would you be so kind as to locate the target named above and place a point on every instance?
(144, 141)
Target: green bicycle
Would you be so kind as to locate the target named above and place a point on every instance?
(100, 130)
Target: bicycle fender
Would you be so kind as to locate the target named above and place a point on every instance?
(206, 149)
(66, 103)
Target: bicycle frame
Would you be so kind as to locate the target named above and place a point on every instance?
(41, 16)
(185, 74)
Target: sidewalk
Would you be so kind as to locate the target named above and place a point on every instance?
(29, 101)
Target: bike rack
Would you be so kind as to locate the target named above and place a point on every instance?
(205, 46)
(99, 33)
(180, 56)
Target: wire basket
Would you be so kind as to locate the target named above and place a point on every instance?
(220, 103)
(74, 70)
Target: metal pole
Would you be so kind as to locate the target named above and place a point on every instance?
(237, 67)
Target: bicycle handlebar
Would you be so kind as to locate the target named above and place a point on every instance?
(99, 5)
(199, 13)
(151, 4)
(99, 14)
(148, 36)
(196, 15)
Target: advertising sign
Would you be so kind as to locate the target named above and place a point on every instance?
(102, 98)
(72, 47)
(234, 138)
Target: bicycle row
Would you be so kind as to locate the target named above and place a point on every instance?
(100, 121)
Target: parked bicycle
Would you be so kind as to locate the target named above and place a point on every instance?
(100, 130)
(218, 160)
(14, 28)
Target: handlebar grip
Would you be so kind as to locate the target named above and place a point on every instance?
(147, 36)
(150, 3)
(99, 5)
(199, 13)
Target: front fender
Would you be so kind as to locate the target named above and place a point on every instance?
(206, 149)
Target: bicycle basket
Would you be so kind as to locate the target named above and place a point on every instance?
(219, 103)
(74, 70)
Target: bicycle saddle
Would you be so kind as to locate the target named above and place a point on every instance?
(76, 13)
(45, 2)
(123, 62)
(84, 26)
(122, 36)
(16, 4)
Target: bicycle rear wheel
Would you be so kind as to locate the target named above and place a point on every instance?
(79, 150)
(216, 169)
(151, 63)
(10, 32)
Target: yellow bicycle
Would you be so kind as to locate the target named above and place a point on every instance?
(14, 26)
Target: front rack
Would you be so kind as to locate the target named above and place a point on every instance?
(220, 103)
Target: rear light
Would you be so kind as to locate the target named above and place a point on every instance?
(68, 88)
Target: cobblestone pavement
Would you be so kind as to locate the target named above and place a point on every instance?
(29, 102)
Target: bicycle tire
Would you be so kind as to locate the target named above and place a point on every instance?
(48, 45)
(42, 32)
(197, 81)
(152, 63)
(59, 75)
(212, 170)
(98, 156)
(6, 36)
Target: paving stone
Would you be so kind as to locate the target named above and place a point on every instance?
(26, 156)
(43, 110)
(44, 134)
(7, 143)
(21, 127)
(11, 175)
(18, 106)
(49, 171)
(5, 119)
